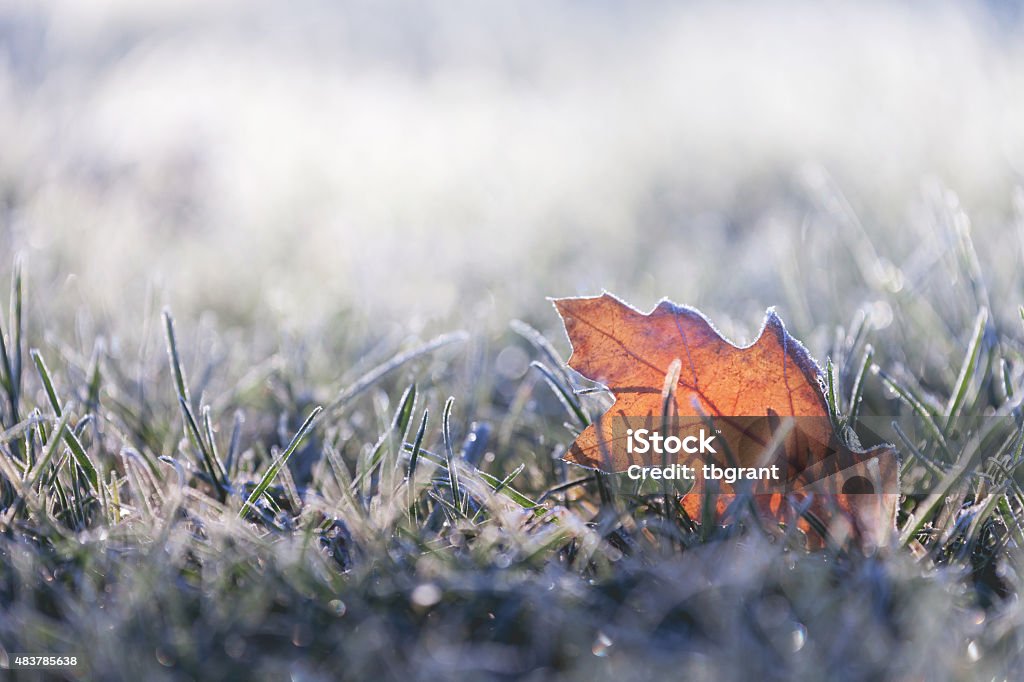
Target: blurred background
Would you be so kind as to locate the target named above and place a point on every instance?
(315, 188)
(419, 164)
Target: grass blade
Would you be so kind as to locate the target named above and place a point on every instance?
(414, 457)
(275, 467)
(399, 426)
(17, 320)
(918, 407)
(233, 445)
(963, 381)
(567, 398)
(449, 451)
(933, 502)
(378, 372)
(73, 443)
(12, 355)
(212, 464)
(82, 457)
(44, 374)
(192, 430)
(7, 374)
(858, 385)
(541, 343)
(832, 396)
(403, 417)
(175, 359)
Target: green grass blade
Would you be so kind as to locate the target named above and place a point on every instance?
(51, 449)
(192, 430)
(668, 411)
(511, 493)
(541, 343)
(403, 417)
(566, 397)
(82, 457)
(414, 458)
(453, 470)
(44, 374)
(95, 377)
(73, 443)
(1007, 380)
(915, 453)
(380, 371)
(214, 468)
(17, 333)
(504, 483)
(963, 381)
(918, 407)
(832, 396)
(6, 373)
(858, 385)
(933, 502)
(174, 359)
(275, 467)
(508, 491)
(212, 443)
(343, 478)
(234, 444)
(399, 427)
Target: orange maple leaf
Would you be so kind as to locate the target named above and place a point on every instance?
(674, 358)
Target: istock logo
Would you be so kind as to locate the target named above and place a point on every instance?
(642, 441)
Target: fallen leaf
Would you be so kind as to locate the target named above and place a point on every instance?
(747, 394)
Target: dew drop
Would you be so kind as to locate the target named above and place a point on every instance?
(338, 607)
(426, 595)
(164, 657)
(798, 638)
(602, 643)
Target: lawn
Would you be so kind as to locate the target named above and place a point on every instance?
(283, 395)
